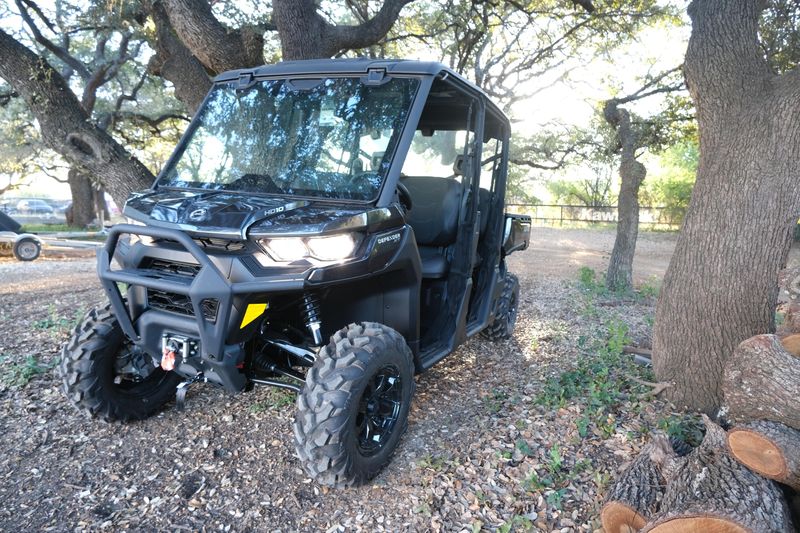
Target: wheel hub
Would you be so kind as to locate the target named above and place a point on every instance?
(379, 410)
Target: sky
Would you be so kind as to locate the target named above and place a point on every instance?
(568, 101)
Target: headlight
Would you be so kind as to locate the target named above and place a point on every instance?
(289, 249)
(327, 249)
(333, 248)
(134, 238)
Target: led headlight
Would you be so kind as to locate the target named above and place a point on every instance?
(325, 249)
(334, 248)
(287, 249)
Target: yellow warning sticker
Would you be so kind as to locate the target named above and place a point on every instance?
(253, 311)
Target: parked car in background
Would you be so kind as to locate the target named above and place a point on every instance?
(34, 206)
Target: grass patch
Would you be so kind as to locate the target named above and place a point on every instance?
(40, 228)
(275, 399)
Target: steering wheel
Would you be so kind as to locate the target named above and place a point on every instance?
(404, 196)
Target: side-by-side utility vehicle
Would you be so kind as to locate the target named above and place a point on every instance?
(331, 227)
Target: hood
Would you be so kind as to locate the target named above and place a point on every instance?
(231, 214)
(221, 213)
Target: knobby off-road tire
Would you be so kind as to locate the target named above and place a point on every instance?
(88, 373)
(354, 406)
(506, 318)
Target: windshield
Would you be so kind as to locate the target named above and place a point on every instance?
(330, 138)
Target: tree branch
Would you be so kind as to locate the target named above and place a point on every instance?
(59, 52)
(369, 32)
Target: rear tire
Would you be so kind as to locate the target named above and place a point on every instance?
(354, 406)
(27, 249)
(507, 306)
(89, 373)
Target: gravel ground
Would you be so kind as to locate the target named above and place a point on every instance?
(227, 463)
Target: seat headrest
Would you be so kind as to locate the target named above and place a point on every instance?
(458, 165)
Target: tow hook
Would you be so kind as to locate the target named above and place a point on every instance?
(183, 387)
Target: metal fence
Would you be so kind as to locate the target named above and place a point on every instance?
(556, 214)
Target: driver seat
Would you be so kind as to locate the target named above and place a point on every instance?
(434, 218)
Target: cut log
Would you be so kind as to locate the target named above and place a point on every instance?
(769, 449)
(635, 496)
(792, 344)
(710, 492)
(761, 381)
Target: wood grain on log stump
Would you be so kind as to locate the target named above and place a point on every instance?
(761, 381)
(769, 449)
(635, 496)
(710, 492)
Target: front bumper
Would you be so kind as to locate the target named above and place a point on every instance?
(145, 327)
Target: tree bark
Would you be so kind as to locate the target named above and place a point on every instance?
(769, 449)
(738, 228)
(636, 494)
(217, 47)
(82, 209)
(762, 382)
(619, 276)
(709, 491)
(65, 126)
(176, 64)
(304, 34)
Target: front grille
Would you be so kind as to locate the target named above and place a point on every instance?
(223, 245)
(171, 267)
(180, 304)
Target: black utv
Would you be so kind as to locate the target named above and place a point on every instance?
(329, 227)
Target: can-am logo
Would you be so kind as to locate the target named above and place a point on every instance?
(198, 214)
(389, 238)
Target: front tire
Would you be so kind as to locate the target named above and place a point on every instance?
(506, 317)
(354, 406)
(104, 376)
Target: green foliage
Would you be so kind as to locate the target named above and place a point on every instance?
(517, 523)
(494, 401)
(779, 34)
(18, 374)
(594, 191)
(601, 380)
(687, 427)
(671, 181)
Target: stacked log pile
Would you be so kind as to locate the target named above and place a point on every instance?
(734, 481)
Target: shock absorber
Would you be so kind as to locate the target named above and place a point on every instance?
(311, 310)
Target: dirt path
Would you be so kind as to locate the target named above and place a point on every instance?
(228, 462)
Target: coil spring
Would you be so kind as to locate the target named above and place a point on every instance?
(311, 306)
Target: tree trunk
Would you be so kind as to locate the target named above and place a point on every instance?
(762, 382)
(218, 48)
(769, 449)
(65, 126)
(636, 494)
(721, 284)
(619, 276)
(709, 491)
(82, 209)
(301, 30)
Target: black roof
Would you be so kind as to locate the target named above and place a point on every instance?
(351, 66)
